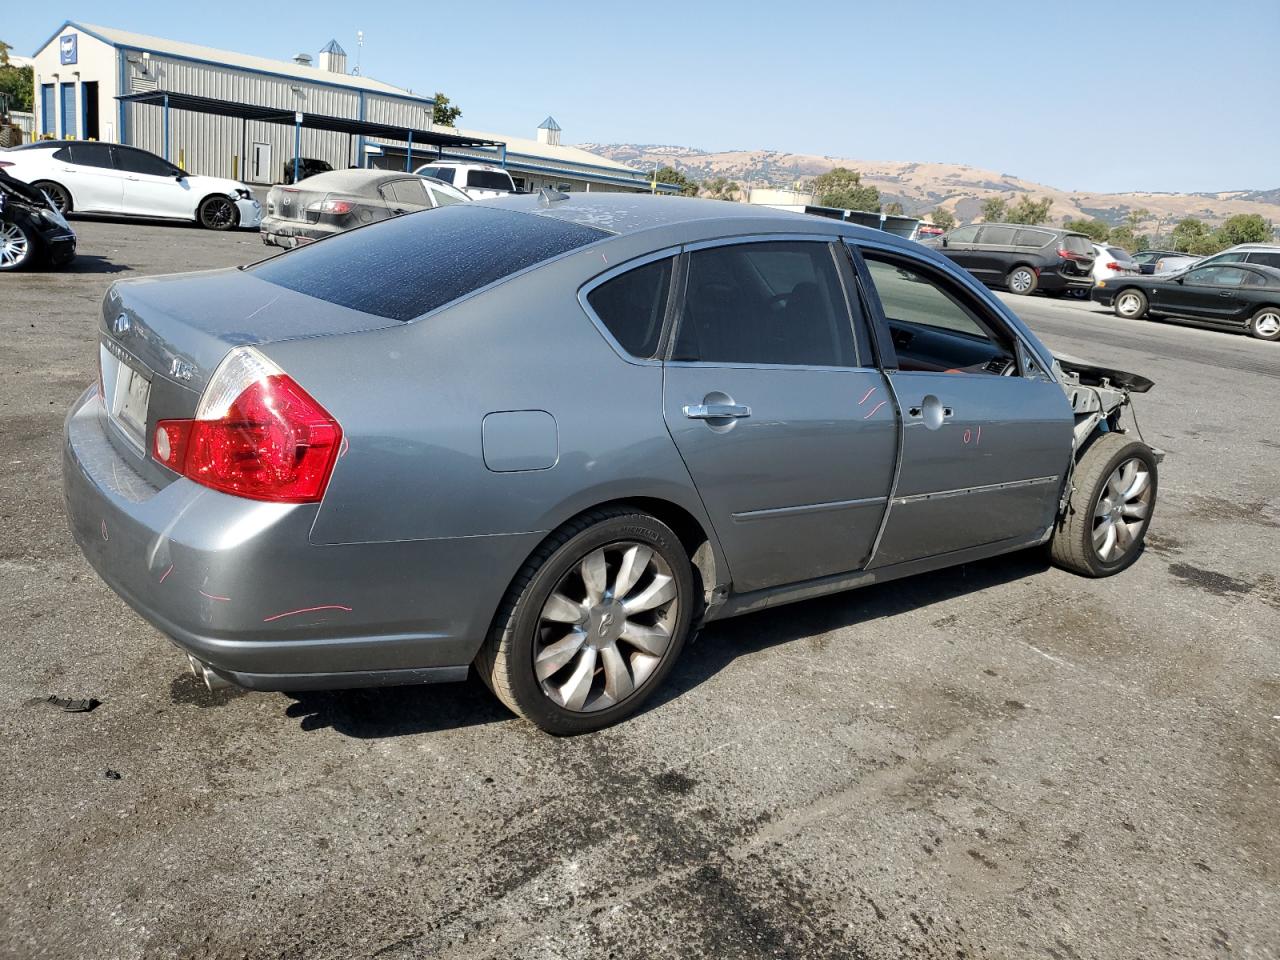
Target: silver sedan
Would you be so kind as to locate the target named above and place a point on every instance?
(548, 437)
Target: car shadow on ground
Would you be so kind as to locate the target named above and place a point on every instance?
(401, 711)
(90, 263)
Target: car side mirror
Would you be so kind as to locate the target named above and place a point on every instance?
(179, 175)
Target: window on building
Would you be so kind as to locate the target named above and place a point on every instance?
(778, 302)
(632, 306)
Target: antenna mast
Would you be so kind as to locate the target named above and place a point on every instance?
(359, 48)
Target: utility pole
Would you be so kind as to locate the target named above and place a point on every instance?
(359, 48)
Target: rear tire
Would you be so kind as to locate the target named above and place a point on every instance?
(1112, 500)
(1022, 281)
(578, 642)
(1131, 304)
(59, 194)
(19, 247)
(1265, 324)
(219, 213)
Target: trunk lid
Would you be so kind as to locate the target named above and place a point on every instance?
(161, 338)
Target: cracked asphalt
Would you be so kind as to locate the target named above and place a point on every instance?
(997, 761)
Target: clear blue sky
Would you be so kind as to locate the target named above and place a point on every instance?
(1085, 95)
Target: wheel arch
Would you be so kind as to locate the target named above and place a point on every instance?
(213, 195)
(60, 185)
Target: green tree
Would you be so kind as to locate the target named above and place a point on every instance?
(944, 218)
(17, 84)
(688, 188)
(1126, 238)
(1029, 211)
(444, 112)
(1096, 230)
(894, 209)
(1188, 232)
(720, 188)
(994, 209)
(1244, 228)
(1134, 217)
(843, 188)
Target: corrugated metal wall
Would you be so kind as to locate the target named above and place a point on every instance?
(223, 146)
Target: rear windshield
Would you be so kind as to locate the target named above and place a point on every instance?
(440, 173)
(1118, 254)
(1078, 243)
(403, 268)
(489, 180)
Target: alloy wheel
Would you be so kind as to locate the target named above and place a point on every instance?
(1267, 324)
(1128, 305)
(1020, 282)
(1122, 509)
(218, 213)
(606, 627)
(14, 245)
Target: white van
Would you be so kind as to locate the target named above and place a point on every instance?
(479, 181)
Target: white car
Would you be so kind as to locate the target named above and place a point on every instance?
(1111, 262)
(83, 176)
(479, 181)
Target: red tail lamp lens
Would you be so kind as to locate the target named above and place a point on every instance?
(274, 442)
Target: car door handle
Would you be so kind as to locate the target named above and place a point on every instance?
(1225, 293)
(919, 412)
(717, 411)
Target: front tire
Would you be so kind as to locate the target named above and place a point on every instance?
(1112, 500)
(592, 623)
(1265, 324)
(219, 213)
(18, 246)
(1022, 281)
(58, 195)
(1131, 304)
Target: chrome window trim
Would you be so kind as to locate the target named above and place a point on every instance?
(746, 516)
(599, 279)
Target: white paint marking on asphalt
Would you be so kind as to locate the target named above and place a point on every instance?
(1050, 656)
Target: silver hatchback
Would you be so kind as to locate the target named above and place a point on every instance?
(548, 438)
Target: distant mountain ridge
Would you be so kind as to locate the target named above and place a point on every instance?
(960, 188)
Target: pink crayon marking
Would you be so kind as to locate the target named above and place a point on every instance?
(978, 440)
(874, 409)
(323, 606)
(865, 395)
(104, 530)
(166, 573)
(210, 596)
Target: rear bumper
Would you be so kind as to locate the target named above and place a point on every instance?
(1103, 295)
(288, 234)
(1054, 280)
(237, 584)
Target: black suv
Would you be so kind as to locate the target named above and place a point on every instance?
(1023, 259)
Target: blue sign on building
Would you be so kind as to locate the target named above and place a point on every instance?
(67, 47)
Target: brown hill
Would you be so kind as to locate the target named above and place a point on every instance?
(920, 187)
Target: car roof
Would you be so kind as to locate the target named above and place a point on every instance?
(629, 213)
(353, 179)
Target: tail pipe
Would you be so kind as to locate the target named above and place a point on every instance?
(212, 679)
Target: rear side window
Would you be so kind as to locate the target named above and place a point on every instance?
(775, 302)
(92, 154)
(1031, 238)
(999, 236)
(410, 265)
(1078, 243)
(963, 235)
(632, 306)
(1266, 259)
(488, 180)
(440, 173)
(411, 192)
(139, 161)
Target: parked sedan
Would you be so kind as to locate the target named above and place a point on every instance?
(1163, 261)
(549, 438)
(330, 203)
(32, 231)
(1239, 296)
(84, 176)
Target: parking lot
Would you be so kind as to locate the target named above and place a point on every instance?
(996, 761)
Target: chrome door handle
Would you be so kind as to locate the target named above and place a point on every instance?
(919, 411)
(716, 411)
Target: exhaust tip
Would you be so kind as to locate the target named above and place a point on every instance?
(213, 680)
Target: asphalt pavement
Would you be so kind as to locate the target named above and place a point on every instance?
(997, 761)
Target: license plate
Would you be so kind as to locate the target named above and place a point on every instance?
(128, 394)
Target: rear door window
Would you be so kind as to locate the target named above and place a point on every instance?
(489, 180)
(440, 173)
(1031, 238)
(407, 266)
(90, 154)
(409, 193)
(774, 302)
(1266, 258)
(139, 161)
(997, 236)
(632, 306)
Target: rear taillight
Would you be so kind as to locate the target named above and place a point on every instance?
(1114, 266)
(333, 206)
(256, 434)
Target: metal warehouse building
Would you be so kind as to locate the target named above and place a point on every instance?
(233, 115)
